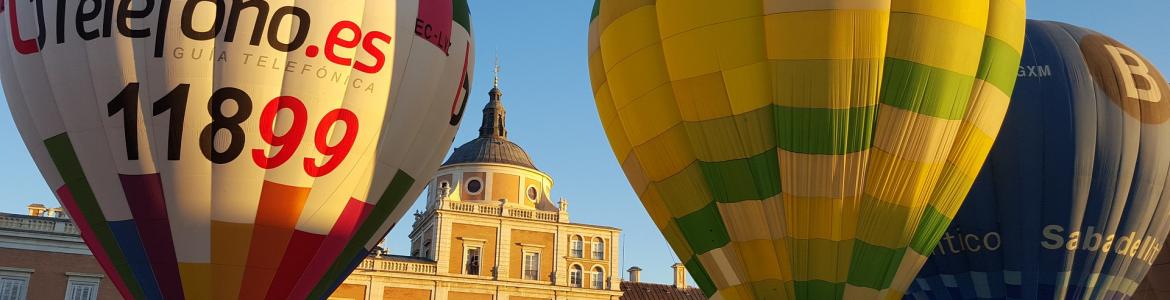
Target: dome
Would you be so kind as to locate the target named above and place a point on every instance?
(491, 150)
(492, 145)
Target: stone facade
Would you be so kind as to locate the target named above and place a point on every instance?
(490, 231)
(503, 235)
(44, 258)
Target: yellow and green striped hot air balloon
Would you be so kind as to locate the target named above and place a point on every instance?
(803, 149)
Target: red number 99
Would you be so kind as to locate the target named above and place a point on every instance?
(321, 140)
(289, 141)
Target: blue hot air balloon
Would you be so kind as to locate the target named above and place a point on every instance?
(1072, 202)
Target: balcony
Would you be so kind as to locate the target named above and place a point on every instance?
(504, 211)
(398, 265)
(38, 224)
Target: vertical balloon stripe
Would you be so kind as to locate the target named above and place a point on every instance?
(197, 281)
(144, 194)
(64, 158)
(348, 268)
(301, 249)
(126, 234)
(461, 14)
(436, 14)
(462, 90)
(391, 196)
(229, 254)
(87, 234)
(355, 213)
(276, 220)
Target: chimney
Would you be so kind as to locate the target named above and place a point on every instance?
(635, 274)
(58, 212)
(36, 210)
(680, 276)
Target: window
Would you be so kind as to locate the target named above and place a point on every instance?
(14, 283)
(426, 248)
(474, 186)
(471, 260)
(575, 245)
(532, 193)
(598, 278)
(82, 286)
(444, 190)
(531, 265)
(575, 276)
(598, 248)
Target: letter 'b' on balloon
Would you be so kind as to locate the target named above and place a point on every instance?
(1076, 184)
(794, 149)
(235, 149)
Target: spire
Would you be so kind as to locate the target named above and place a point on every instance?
(496, 73)
(494, 114)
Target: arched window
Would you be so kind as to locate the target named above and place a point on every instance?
(576, 246)
(598, 248)
(598, 278)
(575, 275)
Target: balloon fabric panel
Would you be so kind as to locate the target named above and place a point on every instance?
(258, 151)
(1070, 203)
(802, 150)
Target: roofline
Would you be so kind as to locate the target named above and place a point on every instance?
(546, 175)
(594, 226)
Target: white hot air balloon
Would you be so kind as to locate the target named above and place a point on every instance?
(237, 149)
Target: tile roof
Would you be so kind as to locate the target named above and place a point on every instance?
(655, 291)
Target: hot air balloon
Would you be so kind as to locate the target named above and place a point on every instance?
(803, 150)
(235, 149)
(1073, 202)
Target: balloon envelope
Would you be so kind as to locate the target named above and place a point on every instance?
(803, 150)
(1072, 203)
(254, 151)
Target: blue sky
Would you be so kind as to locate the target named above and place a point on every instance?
(541, 45)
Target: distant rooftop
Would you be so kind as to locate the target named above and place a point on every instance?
(655, 291)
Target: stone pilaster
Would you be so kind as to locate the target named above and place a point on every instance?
(442, 244)
(377, 289)
(503, 250)
(560, 251)
(613, 250)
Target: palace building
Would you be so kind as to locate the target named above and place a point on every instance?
(42, 256)
(491, 231)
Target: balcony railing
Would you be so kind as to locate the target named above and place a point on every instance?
(498, 210)
(38, 224)
(384, 265)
